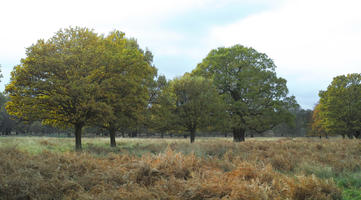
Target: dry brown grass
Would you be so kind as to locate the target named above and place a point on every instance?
(220, 170)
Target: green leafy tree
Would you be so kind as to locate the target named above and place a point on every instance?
(161, 109)
(6, 123)
(340, 106)
(59, 81)
(197, 103)
(126, 75)
(256, 98)
(300, 125)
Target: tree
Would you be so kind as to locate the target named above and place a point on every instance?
(256, 98)
(6, 124)
(299, 126)
(161, 107)
(59, 81)
(197, 103)
(340, 105)
(126, 77)
(318, 122)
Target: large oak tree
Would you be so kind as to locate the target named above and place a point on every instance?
(340, 106)
(257, 99)
(78, 78)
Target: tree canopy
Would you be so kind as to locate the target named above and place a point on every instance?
(126, 75)
(197, 103)
(340, 106)
(78, 78)
(161, 107)
(75, 77)
(257, 99)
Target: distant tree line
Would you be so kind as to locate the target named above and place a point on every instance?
(79, 80)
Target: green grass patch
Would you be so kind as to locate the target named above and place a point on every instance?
(351, 185)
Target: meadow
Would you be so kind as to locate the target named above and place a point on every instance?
(211, 168)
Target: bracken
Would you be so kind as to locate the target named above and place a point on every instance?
(251, 170)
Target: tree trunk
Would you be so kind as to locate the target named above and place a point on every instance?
(112, 137)
(193, 135)
(161, 134)
(134, 134)
(185, 135)
(358, 135)
(225, 134)
(78, 128)
(238, 134)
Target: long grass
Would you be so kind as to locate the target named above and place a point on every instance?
(48, 168)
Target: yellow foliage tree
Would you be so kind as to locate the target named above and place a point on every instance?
(79, 78)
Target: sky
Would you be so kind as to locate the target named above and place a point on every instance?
(310, 41)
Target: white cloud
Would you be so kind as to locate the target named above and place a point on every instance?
(311, 41)
(23, 22)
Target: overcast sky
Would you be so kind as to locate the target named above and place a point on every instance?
(311, 41)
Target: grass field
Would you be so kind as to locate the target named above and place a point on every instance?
(211, 168)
